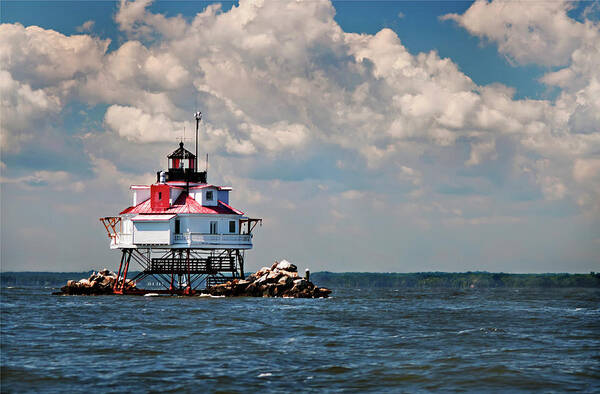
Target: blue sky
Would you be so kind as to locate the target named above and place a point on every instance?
(370, 136)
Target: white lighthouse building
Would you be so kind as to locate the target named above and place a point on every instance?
(181, 230)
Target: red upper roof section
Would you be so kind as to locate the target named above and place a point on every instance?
(184, 204)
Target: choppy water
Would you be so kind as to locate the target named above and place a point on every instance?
(359, 340)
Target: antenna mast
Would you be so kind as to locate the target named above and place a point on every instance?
(198, 116)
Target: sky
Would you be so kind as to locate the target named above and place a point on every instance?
(370, 136)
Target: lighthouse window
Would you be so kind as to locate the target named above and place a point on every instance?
(232, 226)
(160, 195)
(209, 196)
(213, 227)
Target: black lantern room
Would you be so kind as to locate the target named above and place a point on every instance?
(183, 166)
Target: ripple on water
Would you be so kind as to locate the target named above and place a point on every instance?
(372, 340)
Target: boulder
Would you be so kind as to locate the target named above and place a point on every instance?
(287, 266)
(323, 292)
(301, 284)
(262, 279)
(273, 276)
(262, 271)
(280, 280)
(101, 282)
(289, 273)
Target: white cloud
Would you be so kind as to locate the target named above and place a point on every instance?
(129, 14)
(586, 170)
(40, 71)
(352, 194)
(363, 93)
(86, 26)
(410, 174)
(22, 107)
(561, 132)
(526, 31)
(55, 180)
(46, 57)
(479, 150)
(280, 83)
(135, 125)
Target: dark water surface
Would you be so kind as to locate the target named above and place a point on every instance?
(359, 340)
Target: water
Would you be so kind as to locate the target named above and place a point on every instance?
(359, 340)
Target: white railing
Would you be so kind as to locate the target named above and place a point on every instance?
(181, 238)
(200, 238)
(122, 239)
(192, 239)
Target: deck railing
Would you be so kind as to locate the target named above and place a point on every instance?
(122, 239)
(192, 239)
(201, 238)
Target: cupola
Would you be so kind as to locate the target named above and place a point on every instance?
(183, 166)
(182, 159)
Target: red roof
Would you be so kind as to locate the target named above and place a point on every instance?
(184, 204)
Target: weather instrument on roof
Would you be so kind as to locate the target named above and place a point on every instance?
(181, 231)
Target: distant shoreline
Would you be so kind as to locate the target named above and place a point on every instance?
(369, 279)
(456, 280)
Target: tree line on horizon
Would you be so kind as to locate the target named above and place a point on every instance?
(454, 280)
(366, 279)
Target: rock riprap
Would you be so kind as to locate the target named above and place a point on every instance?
(101, 282)
(280, 280)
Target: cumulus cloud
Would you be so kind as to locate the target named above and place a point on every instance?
(46, 57)
(21, 108)
(561, 132)
(272, 89)
(526, 31)
(40, 70)
(408, 137)
(278, 81)
(135, 125)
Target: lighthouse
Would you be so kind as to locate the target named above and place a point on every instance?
(180, 230)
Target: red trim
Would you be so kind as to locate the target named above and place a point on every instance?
(232, 208)
(184, 204)
(127, 210)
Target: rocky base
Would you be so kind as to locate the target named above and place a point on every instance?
(281, 280)
(97, 284)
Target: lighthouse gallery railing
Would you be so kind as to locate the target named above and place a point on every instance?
(200, 238)
(192, 239)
